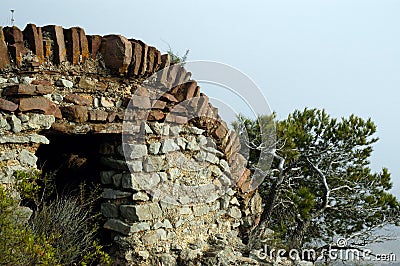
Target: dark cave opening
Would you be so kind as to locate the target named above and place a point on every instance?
(73, 164)
(72, 160)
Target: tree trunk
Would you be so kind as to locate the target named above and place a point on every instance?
(297, 237)
(270, 203)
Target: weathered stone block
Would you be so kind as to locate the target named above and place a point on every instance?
(116, 180)
(139, 227)
(109, 193)
(75, 113)
(41, 82)
(117, 52)
(8, 155)
(134, 151)
(4, 125)
(106, 177)
(177, 119)
(143, 59)
(118, 226)
(84, 100)
(184, 91)
(27, 90)
(33, 36)
(156, 115)
(165, 61)
(185, 210)
(137, 50)
(71, 37)
(193, 130)
(94, 42)
(153, 60)
(27, 158)
(180, 109)
(15, 123)
(154, 163)
(115, 163)
(154, 147)
(38, 121)
(109, 210)
(83, 44)
(235, 212)
(187, 77)
(47, 47)
(256, 204)
(159, 104)
(124, 228)
(224, 165)
(4, 57)
(140, 196)
(33, 138)
(64, 83)
(135, 166)
(76, 44)
(200, 210)
(160, 128)
(141, 102)
(59, 50)
(181, 75)
(21, 214)
(87, 84)
(243, 181)
(152, 237)
(140, 181)
(220, 132)
(129, 182)
(105, 102)
(157, 61)
(142, 212)
(7, 105)
(39, 104)
(98, 115)
(202, 106)
(169, 145)
(15, 41)
(172, 75)
(169, 98)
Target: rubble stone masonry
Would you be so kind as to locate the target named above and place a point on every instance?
(66, 82)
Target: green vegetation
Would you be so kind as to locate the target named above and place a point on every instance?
(61, 231)
(19, 245)
(176, 58)
(321, 186)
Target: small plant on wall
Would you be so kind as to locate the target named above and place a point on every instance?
(176, 58)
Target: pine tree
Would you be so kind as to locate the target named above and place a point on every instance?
(321, 186)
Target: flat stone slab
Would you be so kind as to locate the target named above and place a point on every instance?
(27, 90)
(142, 212)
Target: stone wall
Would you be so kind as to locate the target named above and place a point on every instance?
(55, 80)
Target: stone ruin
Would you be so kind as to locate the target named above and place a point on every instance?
(64, 101)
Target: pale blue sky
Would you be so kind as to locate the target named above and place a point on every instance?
(343, 56)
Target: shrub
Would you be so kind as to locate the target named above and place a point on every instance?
(62, 230)
(34, 187)
(70, 223)
(19, 245)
